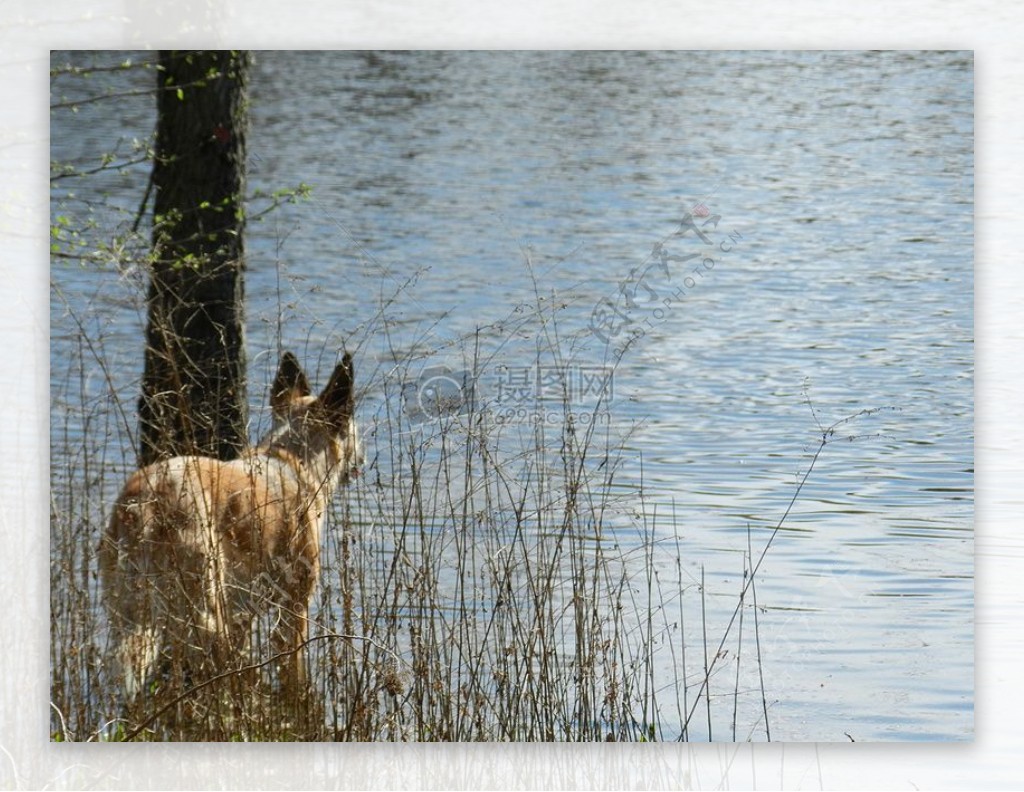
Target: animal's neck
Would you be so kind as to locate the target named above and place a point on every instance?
(316, 475)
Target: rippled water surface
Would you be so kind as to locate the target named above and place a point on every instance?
(839, 192)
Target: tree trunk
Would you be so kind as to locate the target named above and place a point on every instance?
(193, 388)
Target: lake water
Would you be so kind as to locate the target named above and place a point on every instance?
(454, 193)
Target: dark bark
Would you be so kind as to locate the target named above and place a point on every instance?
(193, 389)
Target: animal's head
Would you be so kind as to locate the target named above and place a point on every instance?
(319, 430)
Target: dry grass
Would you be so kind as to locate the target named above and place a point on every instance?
(479, 582)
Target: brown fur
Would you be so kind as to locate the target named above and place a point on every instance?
(196, 547)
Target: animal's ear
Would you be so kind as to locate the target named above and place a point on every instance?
(339, 395)
(289, 384)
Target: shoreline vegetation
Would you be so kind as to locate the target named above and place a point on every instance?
(478, 584)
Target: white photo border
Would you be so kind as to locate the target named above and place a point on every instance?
(992, 30)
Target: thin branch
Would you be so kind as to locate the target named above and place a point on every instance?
(85, 71)
(826, 436)
(757, 640)
(99, 169)
(139, 92)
